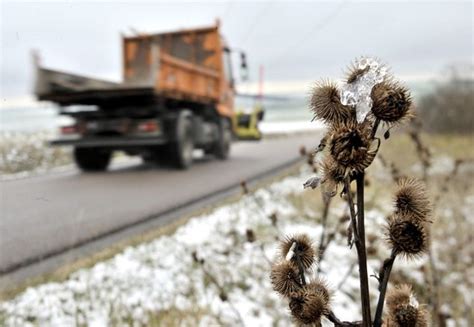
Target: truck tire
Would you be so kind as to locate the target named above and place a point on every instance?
(181, 150)
(92, 159)
(222, 145)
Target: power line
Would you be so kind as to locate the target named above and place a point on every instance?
(227, 8)
(254, 23)
(311, 33)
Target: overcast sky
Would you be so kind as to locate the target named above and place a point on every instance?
(295, 41)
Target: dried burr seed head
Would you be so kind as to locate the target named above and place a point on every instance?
(243, 186)
(326, 104)
(250, 235)
(329, 188)
(404, 315)
(391, 101)
(411, 200)
(398, 295)
(331, 170)
(320, 286)
(422, 317)
(350, 146)
(407, 315)
(322, 143)
(400, 310)
(303, 250)
(310, 303)
(407, 236)
(303, 150)
(333, 174)
(285, 278)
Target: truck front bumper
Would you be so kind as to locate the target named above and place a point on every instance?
(113, 142)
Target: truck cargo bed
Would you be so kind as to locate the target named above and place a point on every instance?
(67, 88)
(185, 66)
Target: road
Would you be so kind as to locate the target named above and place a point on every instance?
(46, 215)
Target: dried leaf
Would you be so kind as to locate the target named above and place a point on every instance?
(313, 182)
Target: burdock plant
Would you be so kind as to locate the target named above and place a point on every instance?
(369, 98)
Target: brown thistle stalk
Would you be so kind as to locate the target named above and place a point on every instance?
(423, 152)
(325, 238)
(349, 147)
(384, 276)
(332, 317)
(358, 231)
(361, 251)
(222, 291)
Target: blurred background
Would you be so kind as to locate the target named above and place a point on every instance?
(146, 245)
(297, 43)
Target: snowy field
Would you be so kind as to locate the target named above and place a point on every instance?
(214, 270)
(162, 275)
(24, 154)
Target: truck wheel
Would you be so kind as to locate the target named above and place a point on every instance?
(181, 150)
(92, 159)
(222, 145)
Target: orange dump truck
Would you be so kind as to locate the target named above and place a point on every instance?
(177, 94)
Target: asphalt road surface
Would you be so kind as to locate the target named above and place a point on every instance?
(46, 215)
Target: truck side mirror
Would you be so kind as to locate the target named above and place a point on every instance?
(244, 72)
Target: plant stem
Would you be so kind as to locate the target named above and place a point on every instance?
(385, 272)
(222, 291)
(350, 201)
(374, 128)
(332, 317)
(301, 270)
(358, 229)
(362, 255)
(346, 276)
(437, 316)
(323, 243)
(324, 220)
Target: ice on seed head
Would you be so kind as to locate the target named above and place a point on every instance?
(358, 92)
(414, 301)
(363, 62)
(291, 252)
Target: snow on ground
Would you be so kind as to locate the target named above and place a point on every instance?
(288, 127)
(143, 281)
(26, 154)
(211, 271)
